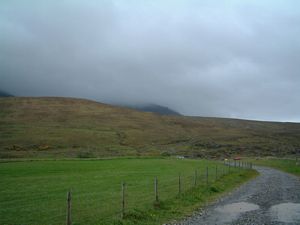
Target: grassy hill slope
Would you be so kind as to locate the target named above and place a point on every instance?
(65, 127)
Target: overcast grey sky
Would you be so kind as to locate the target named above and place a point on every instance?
(230, 58)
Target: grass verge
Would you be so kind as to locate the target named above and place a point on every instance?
(286, 165)
(184, 205)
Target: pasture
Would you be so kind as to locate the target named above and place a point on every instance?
(34, 192)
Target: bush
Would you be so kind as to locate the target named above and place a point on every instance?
(85, 155)
(165, 154)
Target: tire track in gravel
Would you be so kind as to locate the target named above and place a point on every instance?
(273, 198)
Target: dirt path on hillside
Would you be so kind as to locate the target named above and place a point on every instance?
(271, 198)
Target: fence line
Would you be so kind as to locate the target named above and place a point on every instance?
(182, 182)
(69, 207)
(156, 189)
(123, 200)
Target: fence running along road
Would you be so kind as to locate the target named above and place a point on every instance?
(192, 181)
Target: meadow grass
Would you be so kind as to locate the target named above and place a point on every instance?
(287, 165)
(34, 192)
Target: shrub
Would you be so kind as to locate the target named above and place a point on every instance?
(87, 154)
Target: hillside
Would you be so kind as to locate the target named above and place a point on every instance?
(65, 127)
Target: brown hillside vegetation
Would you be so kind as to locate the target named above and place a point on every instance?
(66, 127)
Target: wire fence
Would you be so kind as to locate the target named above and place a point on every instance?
(95, 202)
(132, 198)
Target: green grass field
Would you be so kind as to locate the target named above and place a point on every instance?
(287, 165)
(34, 192)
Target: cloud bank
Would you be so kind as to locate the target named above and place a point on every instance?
(209, 58)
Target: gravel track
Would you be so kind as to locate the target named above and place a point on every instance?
(272, 198)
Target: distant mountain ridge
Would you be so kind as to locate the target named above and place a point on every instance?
(5, 94)
(162, 110)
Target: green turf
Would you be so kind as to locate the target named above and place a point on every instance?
(287, 165)
(34, 192)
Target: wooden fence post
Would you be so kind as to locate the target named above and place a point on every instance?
(156, 189)
(69, 208)
(123, 200)
(179, 184)
(195, 178)
(207, 175)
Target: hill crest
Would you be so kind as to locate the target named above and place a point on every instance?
(69, 127)
(154, 108)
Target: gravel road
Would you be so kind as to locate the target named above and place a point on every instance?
(271, 198)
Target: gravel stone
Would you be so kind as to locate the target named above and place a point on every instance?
(271, 187)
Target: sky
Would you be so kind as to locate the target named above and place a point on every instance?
(218, 58)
